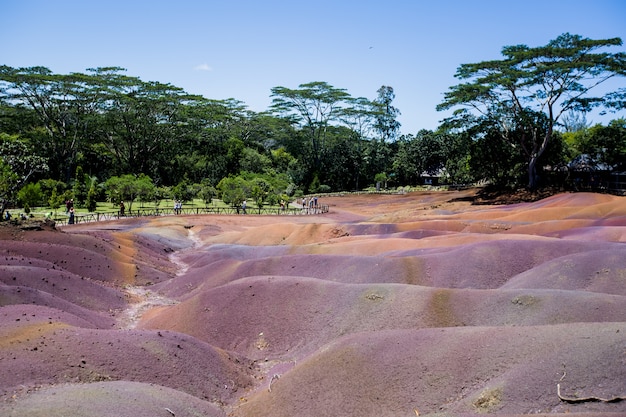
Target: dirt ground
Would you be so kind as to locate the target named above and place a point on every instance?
(421, 304)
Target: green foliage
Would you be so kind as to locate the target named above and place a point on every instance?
(161, 193)
(315, 184)
(183, 191)
(128, 187)
(56, 200)
(80, 187)
(530, 89)
(145, 188)
(206, 192)
(426, 153)
(30, 195)
(9, 180)
(281, 159)
(380, 177)
(105, 124)
(233, 190)
(92, 202)
(323, 188)
(48, 186)
(385, 114)
(605, 144)
(314, 106)
(495, 161)
(260, 189)
(252, 161)
(17, 165)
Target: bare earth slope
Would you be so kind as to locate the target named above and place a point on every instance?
(389, 305)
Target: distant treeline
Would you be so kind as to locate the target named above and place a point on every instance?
(83, 129)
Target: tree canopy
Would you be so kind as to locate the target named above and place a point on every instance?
(531, 89)
(82, 134)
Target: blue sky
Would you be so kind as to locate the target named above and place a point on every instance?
(243, 48)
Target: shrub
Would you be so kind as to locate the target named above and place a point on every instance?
(30, 195)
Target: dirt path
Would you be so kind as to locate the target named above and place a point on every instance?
(144, 299)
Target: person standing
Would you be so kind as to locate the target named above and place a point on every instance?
(71, 219)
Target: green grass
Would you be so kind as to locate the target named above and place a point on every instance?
(107, 207)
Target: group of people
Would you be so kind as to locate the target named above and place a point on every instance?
(178, 207)
(309, 204)
(8, 216)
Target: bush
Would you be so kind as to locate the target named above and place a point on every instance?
(30, 195)
(323, 188)
(91, 201)
(48, 186)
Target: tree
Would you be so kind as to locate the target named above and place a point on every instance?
(260, 190)
(17, 165)
(252, 161)
(55, 200)
(424, 153)
(531, 89)
(127, 188)
(605, 144)
(207, 192)
(313, 106)
(144, 118)
(61, 104)
(8, 185)
(30, 195)
(457, 158)
(80, 187)
(145, 188)
(360, 118)
(386, 123)
(49, 186)
(233, 190)
(91, 203)
(183, 191)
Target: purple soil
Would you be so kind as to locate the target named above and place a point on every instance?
(389, 305)
(115, 398)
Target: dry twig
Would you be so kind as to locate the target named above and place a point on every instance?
(275, 376)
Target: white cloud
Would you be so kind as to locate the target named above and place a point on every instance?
(203, 67)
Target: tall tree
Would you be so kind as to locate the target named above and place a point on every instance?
(359, 116)
(531, 89)
(386, 114)
(17, 165)
(313, 106)
(145, 119)
(424, 153)
(61, 106)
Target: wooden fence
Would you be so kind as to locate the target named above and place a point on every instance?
(154, 212)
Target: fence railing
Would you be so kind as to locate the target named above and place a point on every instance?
(155, 212)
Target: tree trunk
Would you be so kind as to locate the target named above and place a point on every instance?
(532, 172)
(534, 157)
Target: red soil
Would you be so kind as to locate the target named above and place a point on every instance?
(389, 305)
